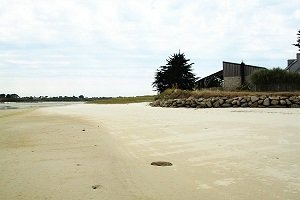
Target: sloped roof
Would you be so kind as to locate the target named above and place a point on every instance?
(291, 64)
(294, 64)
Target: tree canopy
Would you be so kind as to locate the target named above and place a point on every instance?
(177, 73)
(298, 41)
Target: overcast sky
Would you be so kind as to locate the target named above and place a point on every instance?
(113, 47)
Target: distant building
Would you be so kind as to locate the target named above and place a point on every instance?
(236, 75)
(293, 65)
(209, 81)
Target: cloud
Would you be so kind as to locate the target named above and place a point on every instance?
(85, 39)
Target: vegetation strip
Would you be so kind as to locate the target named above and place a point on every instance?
(218, 99)
(124, 100)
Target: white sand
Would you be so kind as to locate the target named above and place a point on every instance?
(216, 153)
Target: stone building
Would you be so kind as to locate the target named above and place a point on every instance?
(236, 75)
(294, 64)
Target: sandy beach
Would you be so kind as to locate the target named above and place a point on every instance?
(87, 151)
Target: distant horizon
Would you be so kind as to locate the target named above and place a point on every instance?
(113, 48)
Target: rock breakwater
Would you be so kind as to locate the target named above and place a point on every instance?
(226, 102)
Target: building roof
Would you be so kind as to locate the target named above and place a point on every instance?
(245, 65)
(294, 64)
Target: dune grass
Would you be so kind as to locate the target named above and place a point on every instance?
(177, 94)
(124, 100)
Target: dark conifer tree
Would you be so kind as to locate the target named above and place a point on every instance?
(298, 41)
(177, 73)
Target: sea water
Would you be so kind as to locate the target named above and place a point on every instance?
(22, 105)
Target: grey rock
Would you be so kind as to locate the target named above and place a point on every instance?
(274, 102)
(229, 101)
(243, 100)
(200, 99)
(216, 104)
(254, 105)
(292, 98)
(156, 103)
(254, 98)
(202, 105)
(262, 97)
(282, 102)
(288, 102)
(248, 99)
(221, 101)
(226, 105)
(260, 101)
(243, 105)
(266, 102)
(208, 104)
(295, 106)
(193, 105)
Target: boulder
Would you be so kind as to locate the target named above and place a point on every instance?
(243, 105)
(156, 103)
(243, 100)
(282, 102)
(229, 101)
(208, 104)
(221, 101)
(292, 98)
(216, 104)
(193, 105)
(226, 105)
(274, 102)
(295, 106)
(263, 97)
(254, 98)
(260, 101)
(254, 105)
(288, 102)
(202, 105)
(266, 102)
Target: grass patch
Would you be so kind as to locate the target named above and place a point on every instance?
(124, 100)
(179, 94)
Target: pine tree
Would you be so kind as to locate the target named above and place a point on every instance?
(298, 41)
(177, 73)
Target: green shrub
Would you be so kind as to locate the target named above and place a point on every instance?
(275, 76)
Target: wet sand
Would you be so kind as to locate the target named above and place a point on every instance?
(105, 152)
